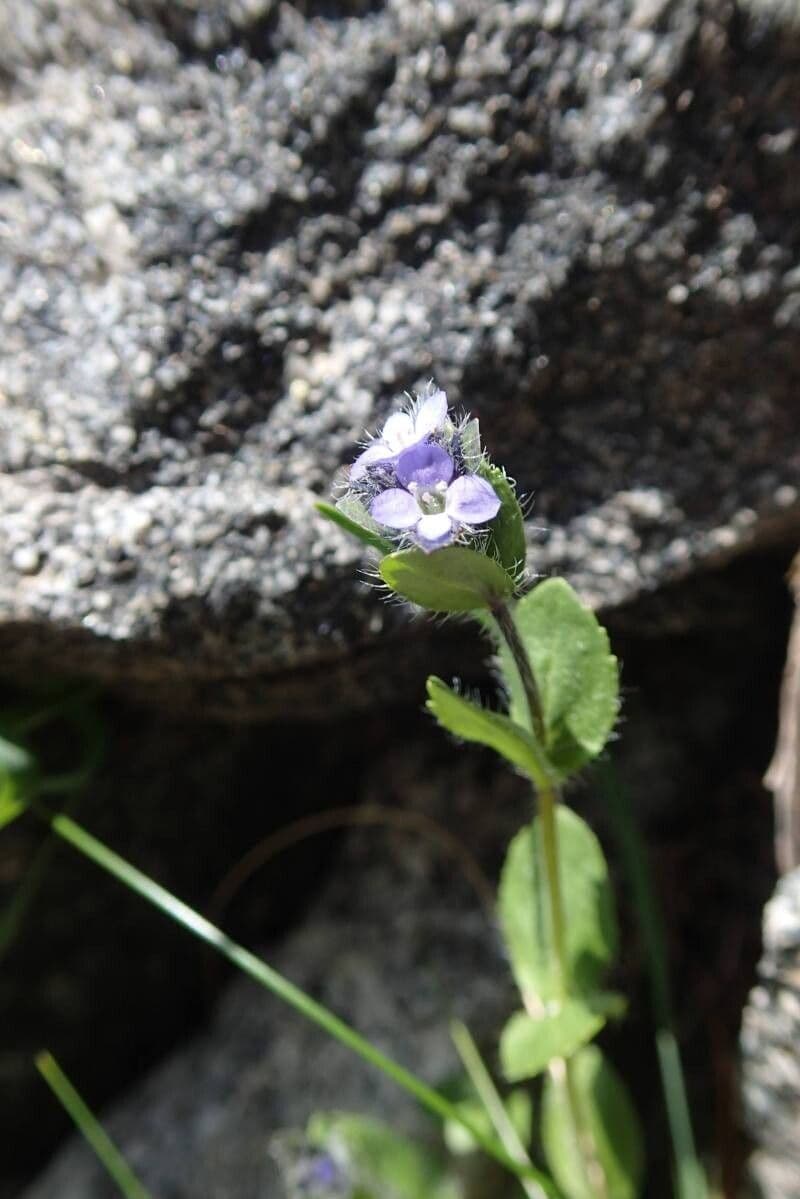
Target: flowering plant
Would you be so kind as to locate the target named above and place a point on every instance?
(450, 535)
(448, 530)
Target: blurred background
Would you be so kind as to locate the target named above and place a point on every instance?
(231, 236)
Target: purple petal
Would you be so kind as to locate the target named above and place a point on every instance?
(434, 531)
(471, 500)
(377, 452)
(426, 465)
(395, 508)
(431, 414)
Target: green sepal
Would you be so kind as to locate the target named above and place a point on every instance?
(590, 925)
(576, 673)
(470, 445)
(470, 722)
(607, 1119)
(507, 529)
(364, 530)
(453, 579)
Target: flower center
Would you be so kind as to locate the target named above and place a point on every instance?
(430, 499)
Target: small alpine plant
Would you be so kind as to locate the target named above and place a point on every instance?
(447, 530)
(449, 533)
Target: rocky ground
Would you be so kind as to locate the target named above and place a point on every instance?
(230, 237)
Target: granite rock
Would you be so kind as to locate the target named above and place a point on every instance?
(232, 234)
(770, 1060)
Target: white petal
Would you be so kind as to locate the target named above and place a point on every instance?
(434, 530)
(431, 414)
(377, 452)
(398, 432)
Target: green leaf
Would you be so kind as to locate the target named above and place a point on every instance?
(608, 1126)
(471, 722)
(380, 1161)
(575, 671)
(528, 1044)
(453, 579)
(519, 1107)
(363, 527)
(507, 530)
(589, 916)
(13, 758)
(11, 804)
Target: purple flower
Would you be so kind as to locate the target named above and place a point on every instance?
(322, 1176)
(404, 430)
(430, 503)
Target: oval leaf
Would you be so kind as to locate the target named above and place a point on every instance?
(589, 916)
(453, 579)
(471, 722)
(576, 673)
(528, 1045)
(507, 530)
(608, 1134)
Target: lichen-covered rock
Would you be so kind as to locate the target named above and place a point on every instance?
(771, 1050)
(233, 233)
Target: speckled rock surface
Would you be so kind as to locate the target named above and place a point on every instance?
(770, 1054)
(232, 234)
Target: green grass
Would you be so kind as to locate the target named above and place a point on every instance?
(690, 1179)
(90, 1128)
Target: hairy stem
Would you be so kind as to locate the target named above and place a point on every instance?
(548, 799)
(549, 796)
(505, 620)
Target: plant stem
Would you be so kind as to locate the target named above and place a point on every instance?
(549, 797)
(505, 620)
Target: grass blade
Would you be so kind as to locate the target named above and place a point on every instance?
(89, 1127)
(535, 1188)
(270, 979)
(690, 1178)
